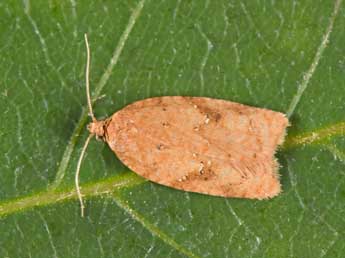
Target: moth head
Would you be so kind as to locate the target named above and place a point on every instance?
(97, 128)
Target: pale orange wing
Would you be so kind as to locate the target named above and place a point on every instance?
(202, 145)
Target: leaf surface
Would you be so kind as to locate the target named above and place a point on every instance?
(287, 56)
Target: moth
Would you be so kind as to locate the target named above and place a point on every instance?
(196, 144)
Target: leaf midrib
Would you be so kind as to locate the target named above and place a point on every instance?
(116, 183)
(52, 196)
(119, 182)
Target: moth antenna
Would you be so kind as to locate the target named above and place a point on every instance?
(87, 78)
(80, 197)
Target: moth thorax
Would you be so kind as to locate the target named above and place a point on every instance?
(97, 128)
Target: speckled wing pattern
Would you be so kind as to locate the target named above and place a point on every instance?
(199, 144)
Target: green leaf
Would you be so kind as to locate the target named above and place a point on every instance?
(284, 55)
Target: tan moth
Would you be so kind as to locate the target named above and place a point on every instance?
(195, 144)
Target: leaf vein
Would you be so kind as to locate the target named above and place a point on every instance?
(307, 76)
(52, 196)
(99, 87)
(315, 136)
(155, 231)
